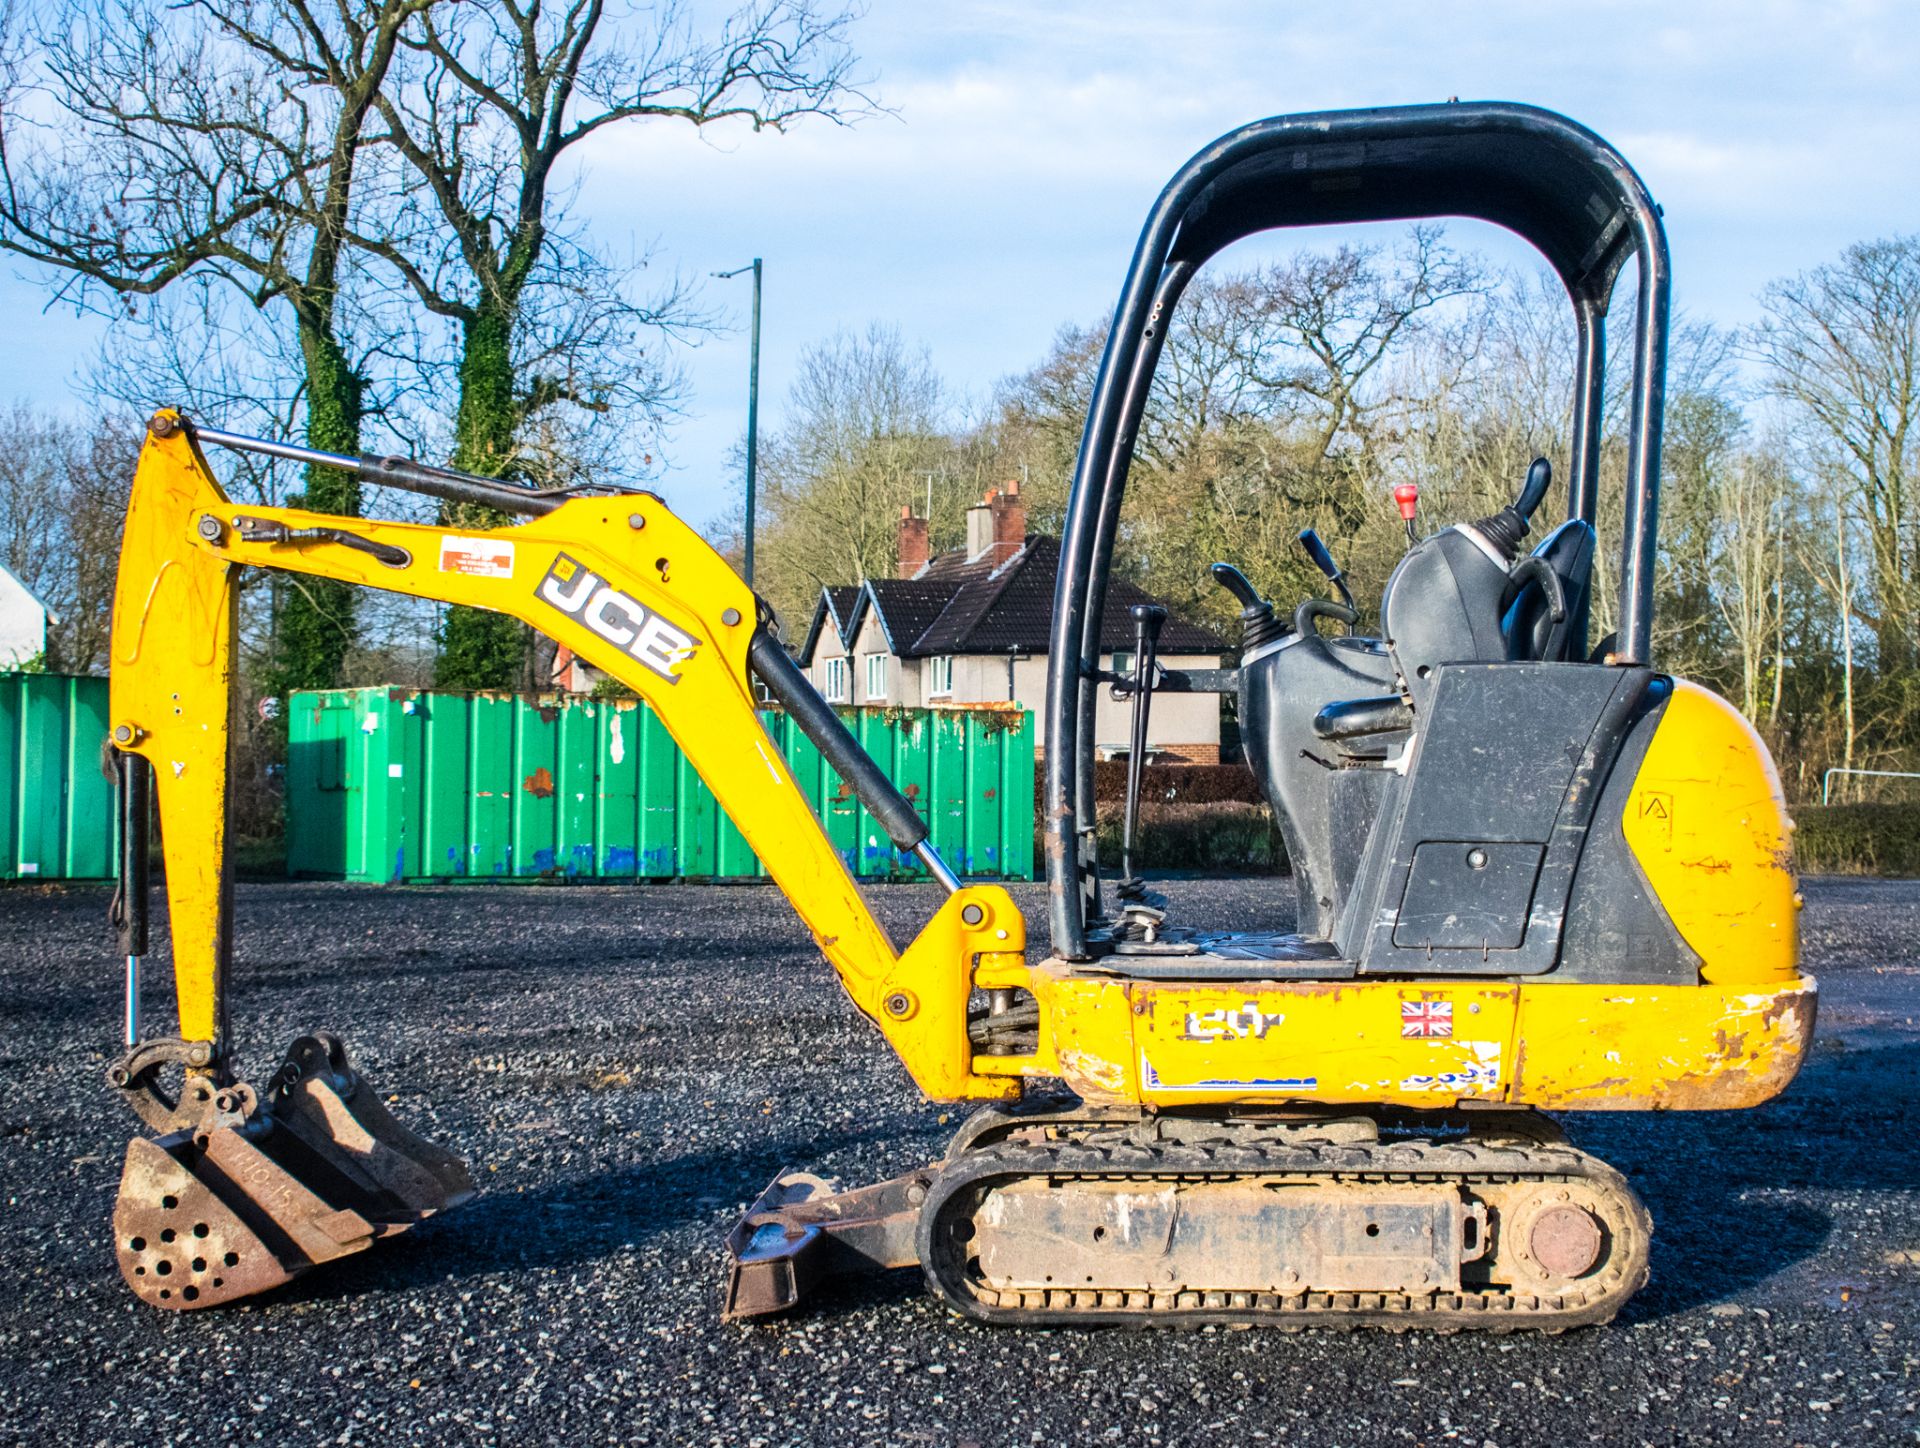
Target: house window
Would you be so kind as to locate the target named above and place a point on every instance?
(876, 676)
(836, 680)
(940, 675)
(1123, 662)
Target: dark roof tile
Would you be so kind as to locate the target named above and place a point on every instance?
(836, 604)
(958, 605)
(1011, 609)
(908, 606)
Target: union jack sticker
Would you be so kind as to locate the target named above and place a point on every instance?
(1426, 1018)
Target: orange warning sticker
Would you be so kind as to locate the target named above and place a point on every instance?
(481, 557)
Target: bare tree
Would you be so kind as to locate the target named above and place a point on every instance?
(146, 143)
(1841, 345)
(1320, 325)
(498, 96)
(865, 434)
(1285, 396)
(63, 494)
(1753, 500)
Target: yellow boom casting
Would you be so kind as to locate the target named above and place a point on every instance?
(620, 581)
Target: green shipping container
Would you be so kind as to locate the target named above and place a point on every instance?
(409, 785)
(56, 803)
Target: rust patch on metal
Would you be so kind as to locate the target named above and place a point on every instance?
(179, 1246)
(208, 1216)
(804, 1228)
(1091, 1075)
(1752, 1074)
(539, 784)
(1709, 867)
(1799, 1005)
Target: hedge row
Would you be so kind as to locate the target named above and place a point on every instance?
(1857, 839)
(1224, 836)
(1192, 817)
(1178, 783)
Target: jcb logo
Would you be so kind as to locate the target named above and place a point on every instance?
(580, 593)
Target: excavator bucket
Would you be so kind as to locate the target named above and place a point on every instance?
(257, 1192)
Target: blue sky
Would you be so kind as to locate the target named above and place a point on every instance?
(1002, 196)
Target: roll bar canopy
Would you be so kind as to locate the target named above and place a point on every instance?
(1536, 173)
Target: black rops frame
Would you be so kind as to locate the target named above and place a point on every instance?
(1540, 175)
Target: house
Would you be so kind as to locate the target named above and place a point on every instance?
(973, 627)
(23, 621)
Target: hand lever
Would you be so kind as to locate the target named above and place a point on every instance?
(1407, 497)
(1148, 620)
(1257, 623)
(1323, 560)
(1506, 528)
(1235, 582)
(1539, 479)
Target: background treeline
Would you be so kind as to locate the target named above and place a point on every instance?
(352, 225)
(1300, 392)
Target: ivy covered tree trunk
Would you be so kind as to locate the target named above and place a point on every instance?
(481, 650)
(317, 616)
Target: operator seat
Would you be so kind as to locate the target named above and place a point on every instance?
(1531, 632)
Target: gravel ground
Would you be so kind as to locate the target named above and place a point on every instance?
(625, 1068)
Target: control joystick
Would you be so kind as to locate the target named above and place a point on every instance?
(1506, 528)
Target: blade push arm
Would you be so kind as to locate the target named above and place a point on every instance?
(619, 580)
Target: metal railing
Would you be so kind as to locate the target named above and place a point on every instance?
(1826, 780)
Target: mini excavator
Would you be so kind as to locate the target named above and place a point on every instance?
(1532, 875)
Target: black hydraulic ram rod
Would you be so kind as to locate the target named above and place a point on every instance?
(817, 720)
(130, 901)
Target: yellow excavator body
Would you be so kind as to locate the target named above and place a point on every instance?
(1707, 827)
(1530, 880)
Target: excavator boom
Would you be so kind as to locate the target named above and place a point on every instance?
(631, 590)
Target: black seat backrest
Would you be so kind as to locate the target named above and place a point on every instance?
(1528, 626)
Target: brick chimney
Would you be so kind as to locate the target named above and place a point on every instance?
(997, 525)
(913, 544)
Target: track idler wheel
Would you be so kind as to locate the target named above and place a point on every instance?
(254, 1193)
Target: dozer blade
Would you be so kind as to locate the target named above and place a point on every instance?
(803, 1229)
(320, 1170)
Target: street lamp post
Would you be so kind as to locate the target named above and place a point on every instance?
(753, 408)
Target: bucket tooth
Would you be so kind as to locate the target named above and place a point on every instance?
(320, 1171)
